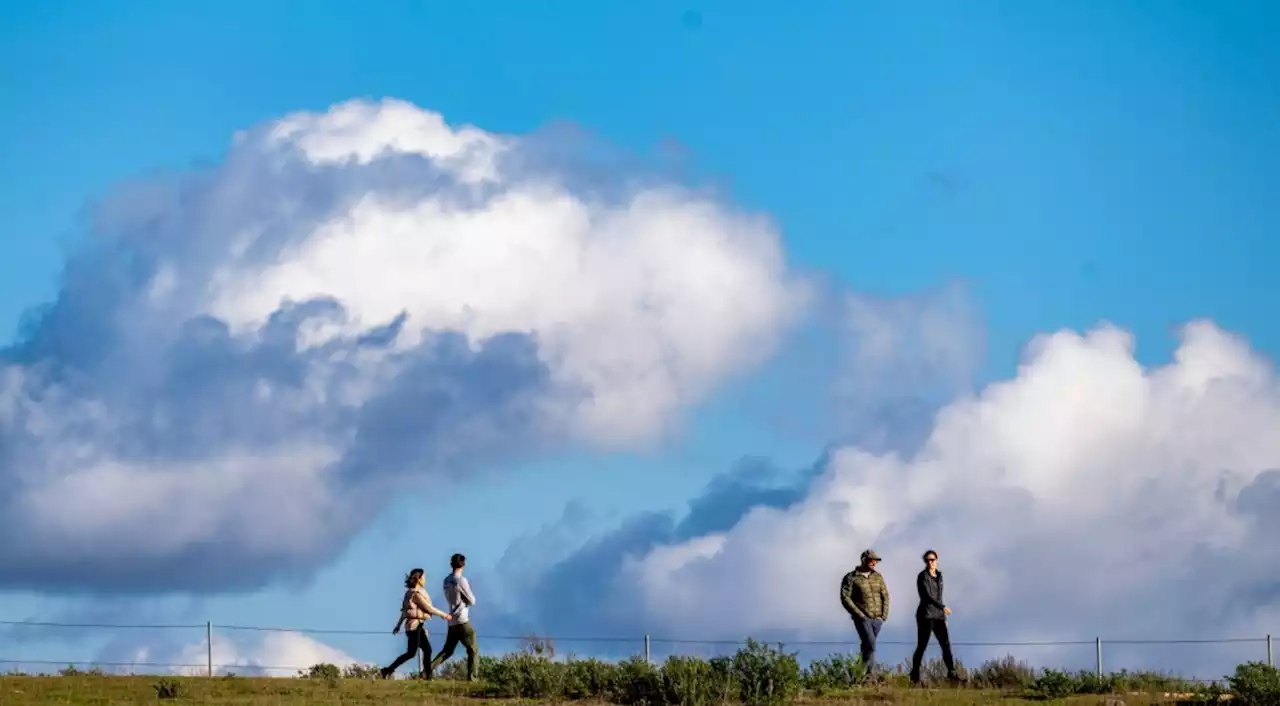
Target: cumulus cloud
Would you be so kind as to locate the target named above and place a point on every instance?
(242, 361)
(1087, 495)
(273, 654)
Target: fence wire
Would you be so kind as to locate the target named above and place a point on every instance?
(200, 656)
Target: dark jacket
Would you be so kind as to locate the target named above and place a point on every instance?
(930, 590)
(865, 596)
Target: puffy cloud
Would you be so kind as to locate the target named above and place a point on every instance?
(242, 361)
(272, 654)
(1088, 495)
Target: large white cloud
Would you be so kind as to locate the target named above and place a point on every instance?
(1087, 495)
(241, 361)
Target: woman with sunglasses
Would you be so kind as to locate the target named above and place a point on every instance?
(931, 617)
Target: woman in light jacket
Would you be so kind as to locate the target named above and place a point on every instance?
(415, 611)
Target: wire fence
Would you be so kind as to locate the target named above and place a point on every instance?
(209, 648)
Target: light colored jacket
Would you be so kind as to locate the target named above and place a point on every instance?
(457, 592)
(414, 608)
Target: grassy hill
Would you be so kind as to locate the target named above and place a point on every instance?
(245, 691)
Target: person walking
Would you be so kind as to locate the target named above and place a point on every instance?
(865, 596)
(931, 617)
(457, 593)
(415, 611)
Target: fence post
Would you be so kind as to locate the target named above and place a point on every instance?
(208, 645)
(1271, 662)
(1097, 641)
(646, 649)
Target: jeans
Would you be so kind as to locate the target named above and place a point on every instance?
(868, 630)
(465, 634)
(937, 626)
(417, 640)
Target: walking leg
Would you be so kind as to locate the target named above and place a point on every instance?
(944, 641)
(922, 643)
(473, 651)
(450, 644)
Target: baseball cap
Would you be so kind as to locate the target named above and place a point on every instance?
(871, 554)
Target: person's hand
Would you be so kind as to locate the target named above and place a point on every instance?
(395, 630)
(946, 611)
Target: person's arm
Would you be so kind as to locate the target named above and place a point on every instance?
(464, 590)
(399, 622)
(423, 603)
(884, 599)
(846, 598)
(926, 596)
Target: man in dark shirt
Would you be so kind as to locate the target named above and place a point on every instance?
(931, 617)
(865, 597)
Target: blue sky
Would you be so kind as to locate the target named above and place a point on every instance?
(1069, 163)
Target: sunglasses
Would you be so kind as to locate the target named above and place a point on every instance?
(931, 559)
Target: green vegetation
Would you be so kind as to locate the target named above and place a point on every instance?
(757, 675)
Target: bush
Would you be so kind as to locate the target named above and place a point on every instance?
(456, 668)
(1053, 684)
(639, 682)
(689, 681)
(360, 671)
(167, 689)
(590, 679)
(834, 673)
(323, 670)
(1152, 682)
(71, 671)
(1255, 684)
(765, 676)
(935, 670)
(1005, 673)
(526, 676)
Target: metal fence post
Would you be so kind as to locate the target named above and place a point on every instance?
(1271, 662)
(646, 649)
(208, 645)
(1097, 641)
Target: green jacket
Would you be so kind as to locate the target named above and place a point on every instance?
(865, 596)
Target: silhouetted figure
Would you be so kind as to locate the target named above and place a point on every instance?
(457, 593)
(931, 617)
(865, 596)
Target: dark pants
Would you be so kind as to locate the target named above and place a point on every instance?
(868, 630)
(937, 626)
(417, 641)
(465, 634)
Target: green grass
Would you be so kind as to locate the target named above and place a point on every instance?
(246, 691)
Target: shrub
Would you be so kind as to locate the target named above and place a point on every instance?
(323, 670)
(837, 671)
(689, 681)
(1151, 682)
(72, 671)
(935, 670)
(1053, 684)
(360, 671)
(526, 676)
(167, 689)
(639, 682)
(1255, 684)
(590, 679)
(456, 668)
(765, 676)
(1005, 673)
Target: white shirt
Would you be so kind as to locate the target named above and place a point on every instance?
(457, 592)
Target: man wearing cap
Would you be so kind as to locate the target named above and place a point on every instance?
(866, 597)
